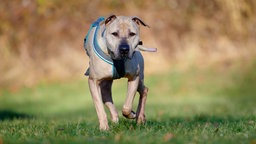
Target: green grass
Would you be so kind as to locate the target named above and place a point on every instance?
(182, 107)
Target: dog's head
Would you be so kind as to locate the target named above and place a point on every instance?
(122, 35)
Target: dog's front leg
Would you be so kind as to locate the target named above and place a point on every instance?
(97, 99)
(131, 91)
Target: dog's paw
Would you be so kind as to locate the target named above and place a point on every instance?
(104, 127)
(132, 115)
(115, 119)
(141, 119)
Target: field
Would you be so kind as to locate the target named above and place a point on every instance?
(202, 80)
(192, 106)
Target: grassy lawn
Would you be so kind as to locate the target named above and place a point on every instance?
(183, 107)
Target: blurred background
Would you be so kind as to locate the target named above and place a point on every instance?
(202, 79)
(43, 40)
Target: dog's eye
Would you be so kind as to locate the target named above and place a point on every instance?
(115, 34)
(131, 34)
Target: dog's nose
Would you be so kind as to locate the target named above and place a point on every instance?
(124, 49)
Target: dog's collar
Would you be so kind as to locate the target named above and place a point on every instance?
(118, 66)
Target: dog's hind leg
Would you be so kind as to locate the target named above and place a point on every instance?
(140, 113)
(107, 98)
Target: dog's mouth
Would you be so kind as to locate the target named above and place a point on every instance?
(119, 55)
(124, 56)
(113, 55)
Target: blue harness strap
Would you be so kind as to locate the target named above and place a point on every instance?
(96, 47)
(118, 68)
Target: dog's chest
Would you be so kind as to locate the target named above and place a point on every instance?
(125, 68)
(129, 67)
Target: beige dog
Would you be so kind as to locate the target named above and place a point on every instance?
(113, 48)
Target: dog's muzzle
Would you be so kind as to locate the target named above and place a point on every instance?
(124, 49)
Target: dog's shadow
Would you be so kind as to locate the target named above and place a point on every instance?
(11, 115)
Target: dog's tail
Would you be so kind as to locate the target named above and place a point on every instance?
(142, 48)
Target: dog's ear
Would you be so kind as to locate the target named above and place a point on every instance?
(110, 19)
(138, 21)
